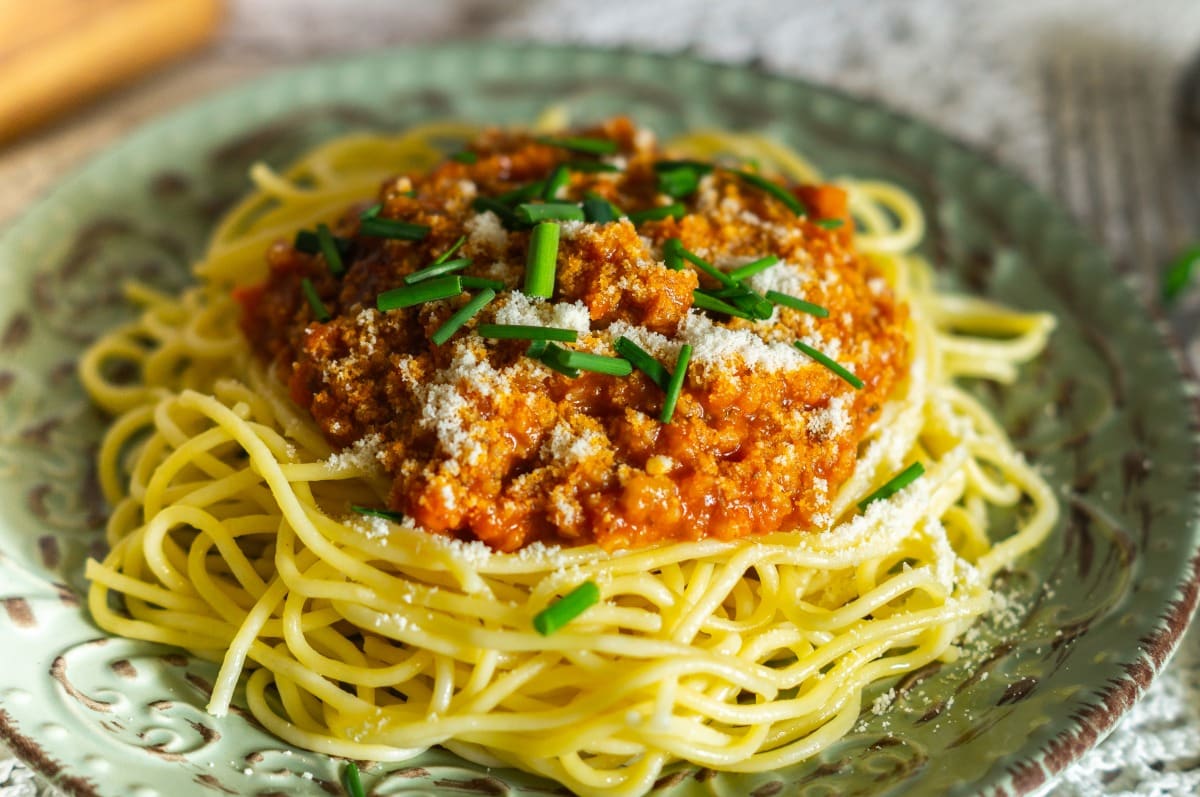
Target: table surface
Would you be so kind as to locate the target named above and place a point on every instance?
(1080, 96)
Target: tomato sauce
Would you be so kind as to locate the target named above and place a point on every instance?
(484, 442)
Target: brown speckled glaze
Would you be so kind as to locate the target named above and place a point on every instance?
(1105, 412)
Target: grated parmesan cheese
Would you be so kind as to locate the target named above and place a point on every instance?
(485, 234)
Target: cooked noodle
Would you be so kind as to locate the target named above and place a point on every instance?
(365, 639)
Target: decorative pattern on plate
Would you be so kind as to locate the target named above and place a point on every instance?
(1091, 618)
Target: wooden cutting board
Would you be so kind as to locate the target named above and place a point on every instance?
(55, 54)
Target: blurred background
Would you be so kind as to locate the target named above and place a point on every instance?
(1086, 98)
(1097, 102)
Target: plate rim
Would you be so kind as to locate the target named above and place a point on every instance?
(1085, 728)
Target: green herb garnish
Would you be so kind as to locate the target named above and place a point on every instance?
(678, 182)
(444, 256)
(566, 608)
(567, 360)
(797, 304)
(526, 332)
(320, 312)
(708, 268)
(557, 181)
(309, 243)
(481, 283)
(830, 364)
(750, 269)
(328, 244)
(894, 485)
(598, 210)
(549, 211)
(505, 213)
(831, 224)
(775, 190)
(437, 270)
(673, 254)
(371, 511)
(643, 361)
(707, 302)
(351, 780)
(548, 354)
(591, 166)
(585, 144)
(425, 291)
(462, 316)
(668, 165)
(542, 260)
(675, 384)
(1180, 272)
(392, 228)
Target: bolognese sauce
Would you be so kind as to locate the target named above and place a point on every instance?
(796, 340)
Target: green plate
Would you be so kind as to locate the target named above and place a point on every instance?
(1105, 412)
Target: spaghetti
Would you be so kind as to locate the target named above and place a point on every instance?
(373, 639)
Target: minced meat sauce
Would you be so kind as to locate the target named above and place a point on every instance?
(483, 441)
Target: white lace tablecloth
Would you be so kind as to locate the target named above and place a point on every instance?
(1077, 95)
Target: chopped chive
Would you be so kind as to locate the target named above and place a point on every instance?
(708, 268)
(524, 193)
(557, 181)
(675, 385)
(831, 224)
(599, 210)
(548, 355)
(830, 364)
(894, 485)
(750, 269)
(752, 303)
(437, 269)
(797, 304)
(566, 608)
(309, 243)
(775, 190)
(671, 211)
(585, 144)
(706, 302)
(678, 182)
(673, 254)
(746, 299)
(426, 291)
(481, 283)
(549, 211)
(371, 212)
(333, 258)
(306, 241)
(542, 260)
(537, 348)
(466, 156)
(526, 332)
(320, 312)
(643, 361)
(1179, 273)
(351, 781)
(371, 511)
(391, 228)
(591, 166)
(444, 256)
(701, 167)
(462, 316)
(586, 361)
(503, 212)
